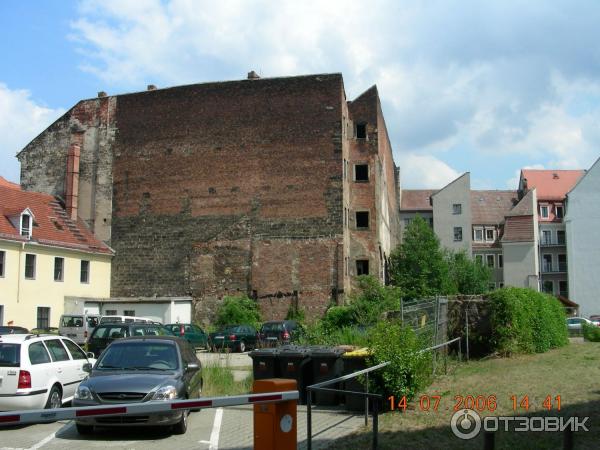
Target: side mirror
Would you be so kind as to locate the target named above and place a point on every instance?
(90, 355)
(191, 366)
(87, 367)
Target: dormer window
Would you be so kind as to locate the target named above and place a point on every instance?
(26, 225)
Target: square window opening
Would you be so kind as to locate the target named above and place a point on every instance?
(362, 219)
(361, 131)
(361, 172)
(458, 234)
(362, 267)
(457, 208)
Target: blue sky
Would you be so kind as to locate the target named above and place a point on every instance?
(486, 87)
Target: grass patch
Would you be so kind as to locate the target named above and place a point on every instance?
(220, 381)
(571, 372)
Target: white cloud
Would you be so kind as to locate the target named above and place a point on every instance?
(425, 172)
(21, 120)
(502, 79)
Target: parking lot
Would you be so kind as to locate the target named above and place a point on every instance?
(220, 428)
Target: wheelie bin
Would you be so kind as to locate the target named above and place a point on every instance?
(294, 363)
(265, 363)
(326, 365)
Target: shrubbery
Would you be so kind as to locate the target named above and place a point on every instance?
(409, 371)
(526, 321)
(365, 307)
(591, 332)
(238, 310)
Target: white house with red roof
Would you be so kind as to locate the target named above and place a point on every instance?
(46, 254)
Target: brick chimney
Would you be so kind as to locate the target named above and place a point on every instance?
(151, 87)
(72, 188)
(102, 94)
(252, 75)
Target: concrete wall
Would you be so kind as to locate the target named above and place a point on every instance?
(519, 264)
(444, 219)
(583, 235)
(21, 296)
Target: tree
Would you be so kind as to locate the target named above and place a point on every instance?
(238, 310)
(467, 276)
(418, 266)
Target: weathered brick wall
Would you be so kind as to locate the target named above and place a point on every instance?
(90, 123)
(200, 171)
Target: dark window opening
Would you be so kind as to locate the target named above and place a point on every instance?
(362, 219)
(2, 257)
(361, 131)
(362, 267)
(559, 212)
(110, 312)
(361, 172)
(59, 264)
(25, 224)
(30, 267)
(43, 317)
(129, 312)
(85, 272)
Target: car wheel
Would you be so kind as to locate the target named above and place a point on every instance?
(181, 426)
(55, 398)
(84, 429)
(242, 346)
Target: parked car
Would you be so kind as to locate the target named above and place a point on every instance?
(125, 319)
(78, 326)
(595, 318)
(141, 369)
(190, 332)
(11, 329)
(39, 371)
(49, 330)
(278, 332)
(235, 337)
(105, 333)
(576, 323)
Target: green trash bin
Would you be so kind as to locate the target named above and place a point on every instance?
(326, 365)
(353, 364)
(294, 363)
(265, 363)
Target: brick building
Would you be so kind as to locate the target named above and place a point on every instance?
(277, 188)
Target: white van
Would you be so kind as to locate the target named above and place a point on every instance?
(78, 326)
(125, 319)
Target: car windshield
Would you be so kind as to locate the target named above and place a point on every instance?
(139, 355)
(150, 330)
(110, 332)
(10, 355)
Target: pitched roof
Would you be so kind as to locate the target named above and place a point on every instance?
(551, 184)
(9, 184)
(490, 207)
(525, 206)
(51, 225)
(417, 199)
(518, 229)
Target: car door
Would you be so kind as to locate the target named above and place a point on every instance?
(78, 357)
(63, 366)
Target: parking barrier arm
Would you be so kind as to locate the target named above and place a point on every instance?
(155, 406)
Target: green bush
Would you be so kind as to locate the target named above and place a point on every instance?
(296, 314)
(526, 321)
(409, 371)
(591, 332)
(238, 310)
(318, 334)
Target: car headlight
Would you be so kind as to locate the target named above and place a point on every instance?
(83, 393)
(165, 393)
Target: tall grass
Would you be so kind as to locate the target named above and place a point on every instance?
(220, 381)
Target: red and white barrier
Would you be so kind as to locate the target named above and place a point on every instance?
(156, 406)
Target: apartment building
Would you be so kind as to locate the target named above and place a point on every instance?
(46, 256)
(551, 188)
(519, 234)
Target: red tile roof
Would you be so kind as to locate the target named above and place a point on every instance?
(551, 184)
(417, 199)
(51, 224)
(490, 207)
(5, 183)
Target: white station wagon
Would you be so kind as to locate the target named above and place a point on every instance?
(39, 371)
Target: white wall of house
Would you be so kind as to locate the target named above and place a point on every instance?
(583, 242)
(446, 218)
(519, 264)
